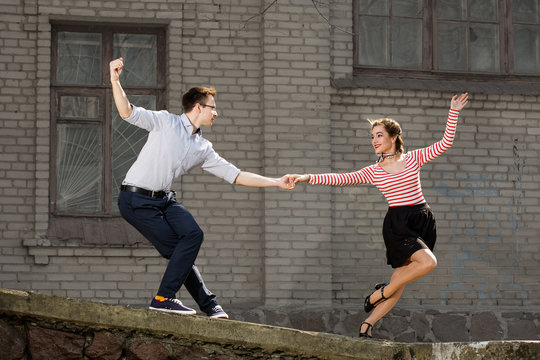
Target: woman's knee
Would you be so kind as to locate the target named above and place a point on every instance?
(430, 263)
(426, 259)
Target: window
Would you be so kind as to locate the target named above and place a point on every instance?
(526, 39)
(467, 36)
(92, 147)
(489, 37)
(390, 41)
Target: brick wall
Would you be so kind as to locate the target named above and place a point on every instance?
(296, 135)
(18, 137)
(282, 109)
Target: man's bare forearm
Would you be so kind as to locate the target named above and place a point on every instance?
(254, 180)
(121, 100)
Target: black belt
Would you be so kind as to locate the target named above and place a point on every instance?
(138, 190)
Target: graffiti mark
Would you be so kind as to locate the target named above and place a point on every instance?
(477, 233)
(517, 174)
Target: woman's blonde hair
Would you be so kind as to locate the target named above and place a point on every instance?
(392, 127)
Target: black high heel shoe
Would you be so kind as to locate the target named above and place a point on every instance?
(365, 333)
(368, 306)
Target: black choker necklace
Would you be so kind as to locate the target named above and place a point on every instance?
(383, 156)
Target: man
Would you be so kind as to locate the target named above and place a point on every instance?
(175, 145)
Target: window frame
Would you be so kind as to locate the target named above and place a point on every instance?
(104, 92)
(430, 52)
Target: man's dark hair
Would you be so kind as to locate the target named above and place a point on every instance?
(196, 95)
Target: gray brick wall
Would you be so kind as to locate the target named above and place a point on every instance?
(18, 135)
(280, 111)
(296, 112)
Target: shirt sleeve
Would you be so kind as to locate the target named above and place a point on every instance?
(148, 119)
(220, 167)
(362, 176)
(429, 153)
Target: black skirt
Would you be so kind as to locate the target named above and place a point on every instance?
(407, 229)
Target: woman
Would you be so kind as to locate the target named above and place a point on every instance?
(409, 226)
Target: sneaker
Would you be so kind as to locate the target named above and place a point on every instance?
(217, 312)
(170, 305)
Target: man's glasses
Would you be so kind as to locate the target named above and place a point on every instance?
(209, 106)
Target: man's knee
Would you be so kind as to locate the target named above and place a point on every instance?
(196, 234)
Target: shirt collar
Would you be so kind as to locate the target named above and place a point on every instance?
(188, 125)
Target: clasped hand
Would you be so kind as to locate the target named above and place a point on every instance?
(289, 181)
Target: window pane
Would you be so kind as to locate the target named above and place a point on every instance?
(372, 41)
(127, 142)
(410, 8)
(407, 43)
(526, 48)
(452, 50)
(452, 9)
(484, 10)
(525, 11)
(79, 168)
(85, 107)
(371, 7)
(140, 58)
(484, 47)
(79, 58)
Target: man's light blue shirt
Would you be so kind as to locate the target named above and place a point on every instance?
(171, 151)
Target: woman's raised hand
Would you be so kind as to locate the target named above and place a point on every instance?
(459, 103)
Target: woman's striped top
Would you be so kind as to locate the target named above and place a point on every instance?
(402, 188)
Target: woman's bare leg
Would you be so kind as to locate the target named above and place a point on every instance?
(421, 263)
(382, 309)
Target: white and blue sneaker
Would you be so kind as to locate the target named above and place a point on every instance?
(217, 312)
(161, 303)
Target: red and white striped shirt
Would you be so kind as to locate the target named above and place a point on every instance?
(402, 188)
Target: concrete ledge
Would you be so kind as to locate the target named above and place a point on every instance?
(227, 333)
